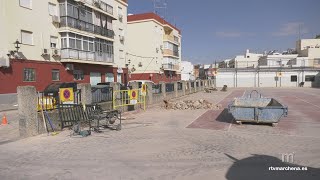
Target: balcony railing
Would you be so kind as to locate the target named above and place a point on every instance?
(101, 5)
(86, 56)
(170, 52)
(67, 21)
(104, 32)
(170, 66)
(170, 38)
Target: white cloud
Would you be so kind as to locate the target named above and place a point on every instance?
(290, 29)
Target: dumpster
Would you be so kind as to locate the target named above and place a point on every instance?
(257, 109)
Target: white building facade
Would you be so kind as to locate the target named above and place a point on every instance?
(187, 71)
(62, 41)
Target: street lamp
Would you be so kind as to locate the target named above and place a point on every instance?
(17, 45)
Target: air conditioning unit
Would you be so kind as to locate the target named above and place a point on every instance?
(55, 19)
(55, 52)
(45, 52)
(4, 62)
(69, 67)
(121, 38)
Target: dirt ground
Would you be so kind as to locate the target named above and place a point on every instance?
(179, 144)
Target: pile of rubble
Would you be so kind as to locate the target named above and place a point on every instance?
(190, 105)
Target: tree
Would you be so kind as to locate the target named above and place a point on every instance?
(318, 36)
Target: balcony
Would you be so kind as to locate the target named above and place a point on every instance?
(67, 21)
(168, 52)
(170, 38)
(104, 32)
(86, 56)
(170, 67)
(101, 6)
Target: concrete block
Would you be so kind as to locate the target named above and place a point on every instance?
(27, 109)
(86, 95)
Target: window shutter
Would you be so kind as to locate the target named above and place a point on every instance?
(26, 37)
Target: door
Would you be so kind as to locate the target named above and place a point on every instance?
(95, 78)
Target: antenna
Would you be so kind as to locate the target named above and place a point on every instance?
(159, 5)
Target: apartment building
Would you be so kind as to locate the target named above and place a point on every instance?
(153, 48)
(248, 60)
(61, 41)
(287, 69)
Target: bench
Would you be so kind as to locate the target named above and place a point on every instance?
(90, 115)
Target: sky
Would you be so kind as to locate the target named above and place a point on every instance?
(214, 30)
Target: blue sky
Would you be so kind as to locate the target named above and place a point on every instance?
(219, 29)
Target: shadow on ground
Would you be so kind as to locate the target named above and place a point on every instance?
(225, 117)
(257, 167)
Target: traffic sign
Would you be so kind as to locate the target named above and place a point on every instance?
(66, 95)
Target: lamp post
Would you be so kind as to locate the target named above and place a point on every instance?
(17, 45)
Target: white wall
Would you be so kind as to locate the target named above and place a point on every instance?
(263, 79)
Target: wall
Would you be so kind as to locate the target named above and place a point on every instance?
(12, 77)
(156, 77)
(118, 45)
(149, 38)
(262, 79)
(36, 20)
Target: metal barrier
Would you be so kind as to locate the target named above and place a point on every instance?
(101, 94)
(122, 98)
(169, 87)
(50, 102)
(156, 89)
(179, 85)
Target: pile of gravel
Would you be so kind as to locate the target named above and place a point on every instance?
(190, 105)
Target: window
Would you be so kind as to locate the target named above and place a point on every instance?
(26, 3)
(294, 78)
(53, 42)
(120, 14)
(55, 75)
(78, 75)
(29, 74)
(310, 78)
(109, 77)
(119, 78)
(26, 37)
(52, 9)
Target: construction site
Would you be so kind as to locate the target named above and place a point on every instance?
(185, 135)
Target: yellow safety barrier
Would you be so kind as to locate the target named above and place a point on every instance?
(48, 103)
(122, 98)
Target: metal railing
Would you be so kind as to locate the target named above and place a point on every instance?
(68, 21)
(170, 66)
(169, 87)
(101, 5)
(101, 94)
(180, 86)
(103, 32)
(156, 89)
(50, 102)
(86, 55)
